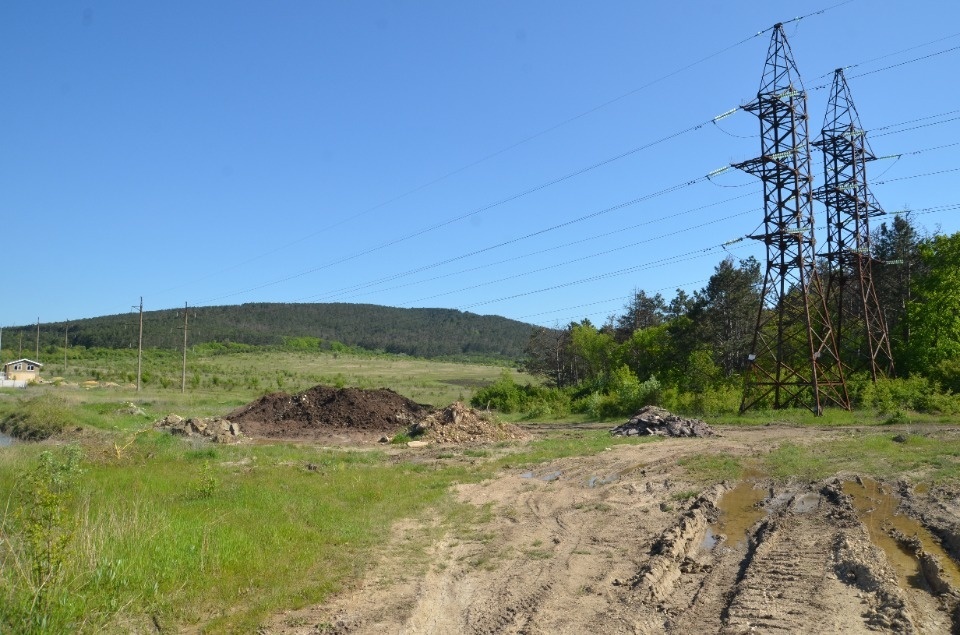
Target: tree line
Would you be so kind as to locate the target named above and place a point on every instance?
(427, 333)
(691, 351)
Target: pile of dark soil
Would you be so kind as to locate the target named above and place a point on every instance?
(459, 424)
(324, 409)
(653, 420)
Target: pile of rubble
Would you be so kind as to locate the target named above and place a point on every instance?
(215, 429)
(654, 420)
(459, 424)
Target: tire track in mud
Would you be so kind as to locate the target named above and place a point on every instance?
(611, 546)
(807, 567)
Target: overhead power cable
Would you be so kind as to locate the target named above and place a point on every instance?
(916, 176)
(619, 298)
(900, 52)
(581, 258)
(690, 255)
(519, 257)
(540, 232)
(477, 211)
(891, 66)
(503, 150)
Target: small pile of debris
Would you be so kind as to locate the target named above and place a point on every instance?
(654, 420)
(216, 429)
(459, 424)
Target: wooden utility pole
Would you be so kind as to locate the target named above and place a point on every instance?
(66, 329)
(140, 347)
(183, 377)
(38, 341)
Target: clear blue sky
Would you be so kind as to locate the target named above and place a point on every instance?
(227, 152)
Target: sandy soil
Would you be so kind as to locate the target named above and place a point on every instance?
(622, 543)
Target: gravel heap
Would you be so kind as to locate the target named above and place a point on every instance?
(459, 424)
(654, 420)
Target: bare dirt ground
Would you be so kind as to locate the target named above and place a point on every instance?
(621, 543)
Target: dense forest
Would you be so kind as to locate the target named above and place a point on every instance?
(690, 353)
(425, 333)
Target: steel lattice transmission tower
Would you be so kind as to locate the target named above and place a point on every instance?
(794, 360)
(858, 321)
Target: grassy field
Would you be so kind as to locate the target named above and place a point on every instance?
(115, 527)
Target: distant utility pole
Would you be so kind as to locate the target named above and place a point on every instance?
(183, 376)
(140, 347)
(66, 329)
(38, 341)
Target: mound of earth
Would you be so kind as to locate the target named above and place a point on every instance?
(458, 424)
(324, 409)
(653, 420)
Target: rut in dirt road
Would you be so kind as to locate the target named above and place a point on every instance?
(808, 566)
(622, 543)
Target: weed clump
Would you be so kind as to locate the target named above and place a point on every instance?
(36, 549)
(38, 418)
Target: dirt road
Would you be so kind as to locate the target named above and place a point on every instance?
(622, 543)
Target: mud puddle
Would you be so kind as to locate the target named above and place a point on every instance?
(877, 509)
(740, 509)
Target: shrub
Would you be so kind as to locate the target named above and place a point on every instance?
(38, 539)
(506, 396)
(916, 393)
(37, 418)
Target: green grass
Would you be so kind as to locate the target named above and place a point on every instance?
(179, 533)
(713, 468)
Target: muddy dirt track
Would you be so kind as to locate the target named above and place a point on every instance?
(621, 543)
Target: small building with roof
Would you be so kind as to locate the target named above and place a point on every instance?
(22, 370)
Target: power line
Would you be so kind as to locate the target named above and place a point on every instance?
(582, 258)
(492, 155)
(901, 51)
(511, 146)
(690, 255)
(535, 253)
(915, 176)
(543, 231)
(477, 211)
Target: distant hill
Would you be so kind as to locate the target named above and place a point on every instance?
(417, 332)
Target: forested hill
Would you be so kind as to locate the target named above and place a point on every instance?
(418, 332)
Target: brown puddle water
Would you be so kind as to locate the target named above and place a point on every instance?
(739, 511)
(878, 511)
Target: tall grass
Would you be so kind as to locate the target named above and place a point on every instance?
(156, 544)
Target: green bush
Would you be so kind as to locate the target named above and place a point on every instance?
(916, 393)
(722, 399)
(38, 545)
(507, 396)
(624, 395)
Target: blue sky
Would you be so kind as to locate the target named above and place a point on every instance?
(379, 152)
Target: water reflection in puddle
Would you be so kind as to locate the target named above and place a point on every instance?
(878, 511)
(5, 440)
(740, 510)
